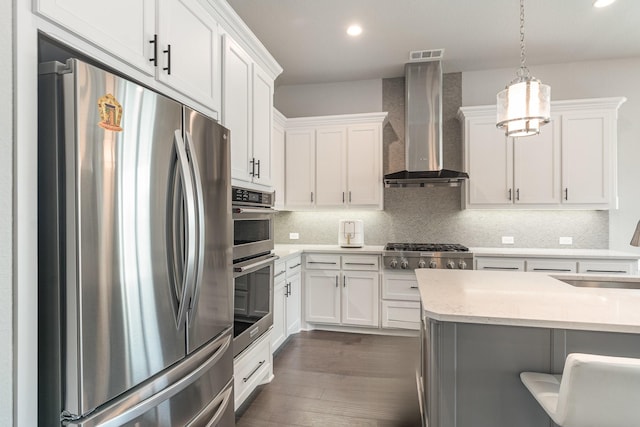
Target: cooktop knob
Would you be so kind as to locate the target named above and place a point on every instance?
(404, 264)
(422, 264)
(451, 264)
(462, 265)
(433, 264)
(393, 263)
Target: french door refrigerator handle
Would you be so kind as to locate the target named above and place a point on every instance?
(188, 278)
(200, 219)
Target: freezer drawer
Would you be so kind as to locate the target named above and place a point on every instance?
(195, 392)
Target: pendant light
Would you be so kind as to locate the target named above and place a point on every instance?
(524, 105)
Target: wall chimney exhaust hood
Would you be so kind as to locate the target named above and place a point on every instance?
(423, 130)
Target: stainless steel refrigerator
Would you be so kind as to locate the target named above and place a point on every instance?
(135, 284)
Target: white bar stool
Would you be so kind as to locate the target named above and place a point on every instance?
(593, 391)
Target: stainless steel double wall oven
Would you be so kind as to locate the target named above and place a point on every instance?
(253, 263)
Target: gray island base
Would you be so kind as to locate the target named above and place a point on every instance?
(481, 329)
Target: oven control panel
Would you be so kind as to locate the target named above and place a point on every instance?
(246, 197)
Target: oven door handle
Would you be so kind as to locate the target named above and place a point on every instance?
(255, 265)
(254, 210)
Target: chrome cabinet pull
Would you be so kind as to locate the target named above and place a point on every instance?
(359, 263)
(294, 266)
(245, 379)
(566, 193)
(413, 287)
(349, 196)
(552, 269)
(258, 164)
(509, 194)
(322, 262)
(518, 194)
(344, 281)
(343, 197)
(336, 281)
(606, 271)
(312, 197)
(500, 268)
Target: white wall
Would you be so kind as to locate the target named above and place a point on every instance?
(6, 216)
(587, 80)
(363, 96)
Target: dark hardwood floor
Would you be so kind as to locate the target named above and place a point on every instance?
(339, 379)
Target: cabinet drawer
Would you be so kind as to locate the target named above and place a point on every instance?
(515, 264)
(400, 287)
(279, 271)
(294, 265)
(251, 368)
(322, 262)
(401, 314)
(605, 267)
(552, 266)
(360, 262)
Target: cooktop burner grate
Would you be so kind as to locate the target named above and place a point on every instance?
(426, 247)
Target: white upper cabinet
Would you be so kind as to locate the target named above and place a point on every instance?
(586, 158)
(331, 167)
(277, 157)
(571, 164)
(236, 107)
(346, 158)
(123, 28)
(247, 111)
(176, 41)
(300, 169)
(189, 50)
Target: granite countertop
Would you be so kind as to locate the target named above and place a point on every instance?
(526, 299)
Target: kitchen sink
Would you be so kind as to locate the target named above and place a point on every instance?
(602, 283)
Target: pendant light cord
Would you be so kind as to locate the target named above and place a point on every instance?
(523, 72)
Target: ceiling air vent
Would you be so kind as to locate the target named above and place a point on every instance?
(426, 55)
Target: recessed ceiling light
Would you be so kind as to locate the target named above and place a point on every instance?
(602, 3)
(354, 30)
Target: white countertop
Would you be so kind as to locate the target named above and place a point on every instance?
(285, 251)
(526, 299)
(555, 253)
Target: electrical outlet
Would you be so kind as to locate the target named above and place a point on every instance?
(566, 240)
(294, 236)
(507, 240)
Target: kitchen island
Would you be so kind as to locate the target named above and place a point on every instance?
(482, 328)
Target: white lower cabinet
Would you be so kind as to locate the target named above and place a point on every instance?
(400, 306)
(286, 302)
(252, 367)
(342, 290)
(554, 264)
(500, 264)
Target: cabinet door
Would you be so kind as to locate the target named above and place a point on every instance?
(293, 304)
(123, 28)
(489, 162)
(279, 332)
(585, 158)
(236, 101)
(300, 168)
(262, 107)
(322, 296)
(364, 168)
(277, 162)
(536, 167)
(331, 165)
(194, 55)
(360, 298)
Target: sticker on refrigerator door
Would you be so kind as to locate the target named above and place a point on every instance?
(110, 113)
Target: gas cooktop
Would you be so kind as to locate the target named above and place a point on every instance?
(409, 256)
(426, 247)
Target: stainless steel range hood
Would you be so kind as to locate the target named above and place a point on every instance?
(423, 130)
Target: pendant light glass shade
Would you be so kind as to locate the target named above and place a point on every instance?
(523, 107)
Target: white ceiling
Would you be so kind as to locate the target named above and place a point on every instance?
(308, 37)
